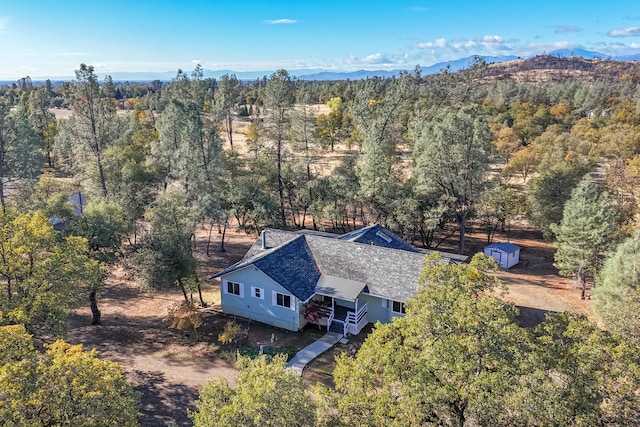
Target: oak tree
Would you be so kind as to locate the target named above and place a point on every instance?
(65, 386)
(42, 277)
(266, 394)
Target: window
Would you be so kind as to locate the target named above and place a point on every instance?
(397, 307)
(234, 288)
(282, 300)
(257, 292)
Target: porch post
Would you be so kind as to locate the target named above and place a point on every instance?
(356, 305)
(333, 304)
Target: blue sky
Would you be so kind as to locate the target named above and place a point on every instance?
(44, 38)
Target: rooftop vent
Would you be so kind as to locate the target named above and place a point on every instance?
(383, 236)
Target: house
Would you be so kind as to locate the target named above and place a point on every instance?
(360, 277)
(507, 254)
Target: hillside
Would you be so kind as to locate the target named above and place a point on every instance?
(549, 68)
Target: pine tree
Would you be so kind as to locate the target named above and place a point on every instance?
(616, 298)
(589, 230)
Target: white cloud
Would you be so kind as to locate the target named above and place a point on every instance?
(491, 39)
(492, 43)
(440, 43)
(616, 48)
(625, 32)
(529, 49)
(196, 61)
(376, 58)
(483, 44)
(4, 24)
(281, 21)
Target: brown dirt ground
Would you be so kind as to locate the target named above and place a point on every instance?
(534, 284)
(167, 366)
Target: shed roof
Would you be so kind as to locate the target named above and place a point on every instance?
(505, 247)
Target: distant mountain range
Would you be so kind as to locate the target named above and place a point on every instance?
(322, 74)
(458, 64)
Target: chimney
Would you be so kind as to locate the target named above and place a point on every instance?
(264, 239)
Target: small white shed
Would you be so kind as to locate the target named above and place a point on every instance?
(507, 254)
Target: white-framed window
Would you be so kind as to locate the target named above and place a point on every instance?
(397, 307)
(257, 292)
(233, 288)
(282, 300)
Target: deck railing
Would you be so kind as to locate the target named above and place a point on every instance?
(330, 319)
(355, 319)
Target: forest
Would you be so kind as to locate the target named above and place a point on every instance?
(135, 167)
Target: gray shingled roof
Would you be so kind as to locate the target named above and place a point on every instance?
(388, 273)
(297, 260)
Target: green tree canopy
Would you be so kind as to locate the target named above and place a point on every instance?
(166, 257)
(265, 395)
(102, 223)
(574, 374)
(548, 193)
(42, 277)
(589, 230)
(458, 358)
(93, 127)
(449, 360)
(279, 99)
(65, 386)
(42, 120)
(451, 156)
(615, 298)
(21, 160)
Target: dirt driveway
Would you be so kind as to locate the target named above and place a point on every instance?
(534, 284)
(162, 364)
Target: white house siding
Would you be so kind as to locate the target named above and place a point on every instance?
(260, 309)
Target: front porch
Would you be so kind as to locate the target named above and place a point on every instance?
(337, 315)
(337, 306)
(347, 321)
